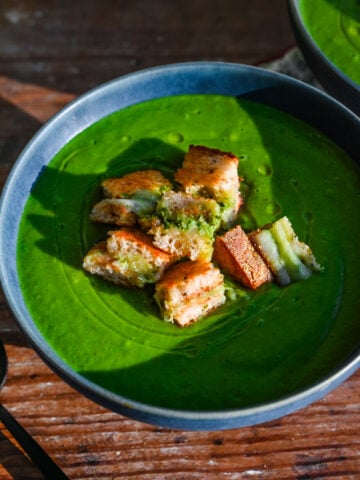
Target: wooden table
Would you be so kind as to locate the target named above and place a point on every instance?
(50, 52)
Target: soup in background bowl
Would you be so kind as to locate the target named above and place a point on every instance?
(263, 354)
(328, 34)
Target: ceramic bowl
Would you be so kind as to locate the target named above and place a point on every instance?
(331, 77)
(251, 83)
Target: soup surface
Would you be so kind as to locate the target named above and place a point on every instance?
(335, 27)
(261, 345)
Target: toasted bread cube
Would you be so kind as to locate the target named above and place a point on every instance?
(185, 225)
(130, 197)
(212, 173)
(140, 181)
(98, 261)
(189, 291)
(113, 211)
(128, 257)
(235, 254)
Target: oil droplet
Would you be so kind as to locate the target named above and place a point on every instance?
(265, 170)
(175, 137)
(191, 351)
(308, 216)
(247, 221)
(245, 189)
(294, 183)
(350, 28)
(273, 208)
(125, 139)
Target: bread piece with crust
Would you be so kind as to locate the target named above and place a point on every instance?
(211, 173)
(189, 290)
(235, 254)
(184, 225)
(113, 211)
(131, 183)
(129, 197)
(128, 257)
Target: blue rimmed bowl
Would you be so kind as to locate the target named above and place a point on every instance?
(251, 83)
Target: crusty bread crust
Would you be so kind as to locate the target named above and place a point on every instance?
(111, 211)
(99, 262)
(186, 241)
(128, 257)
(214, 174)
(126, 240)
(235, 254)
(131, 183)
(190, 290)
(208, 169)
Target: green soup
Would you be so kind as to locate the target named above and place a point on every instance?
(261, 345)
(335, 28)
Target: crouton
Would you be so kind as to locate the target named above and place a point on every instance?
(128, 257)
(113, 211)
(98, 262)
(184, 225)
(288, 258)
(130, 197)
(188, 291)
(142, 180)
(214, 174)
(235, 254)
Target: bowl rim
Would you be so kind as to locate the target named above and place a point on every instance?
(294, 8)
(168, 417)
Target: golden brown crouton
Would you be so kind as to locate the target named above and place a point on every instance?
(128, 257)
(189, 291)
(212, 173)
(142, 180)
(112, 210)
(185, 225)
(236, 255)
(99, 262)
(129, 197)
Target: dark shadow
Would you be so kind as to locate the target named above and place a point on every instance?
(70, 241)
(230, 377)
(350, 9)
(55, 186)
(14, 337)
(15, 462)
(7, 321)
(313, 110)
(16, 131)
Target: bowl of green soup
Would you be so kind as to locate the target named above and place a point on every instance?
(264, 353)
(328, 34)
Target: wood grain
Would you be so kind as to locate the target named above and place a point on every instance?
(87, 441)
(49, 53)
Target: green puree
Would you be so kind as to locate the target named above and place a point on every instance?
(335, 27)
(261, 345)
